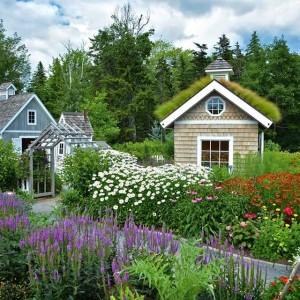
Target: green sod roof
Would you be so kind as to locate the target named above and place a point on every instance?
(266, 107)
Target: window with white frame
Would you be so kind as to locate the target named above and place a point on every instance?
(31, 117)
(215, 106)
(61, 149)
(215, 151)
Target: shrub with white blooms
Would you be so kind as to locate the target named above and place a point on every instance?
(147, 192)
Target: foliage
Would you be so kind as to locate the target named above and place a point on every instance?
(240, 277)
(282, 239)
(103, 122)
(72, 199)
(14, 63)
(146, 150)
(204, 207)
(81, 257)
(241, 233)
(252, 164)
(182, 277)
(38, 82)
(276, 286)
(150, 193)
(78, 168)
(266, 107)
(9, 167)
(119, 54)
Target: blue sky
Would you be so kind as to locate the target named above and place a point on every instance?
(47, 26)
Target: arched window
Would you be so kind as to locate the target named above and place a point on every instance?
(215, 106)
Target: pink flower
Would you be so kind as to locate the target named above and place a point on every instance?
(199, 199)
(288, 211)
(209, 197)
(194, 192)
(231, 234)
(202, 183)
(228, 228)
(243, 224)
(217, 187)
(194, 200)
(250, 215)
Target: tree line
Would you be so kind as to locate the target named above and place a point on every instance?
(124, 75)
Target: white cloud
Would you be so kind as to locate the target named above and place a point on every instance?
(45, 28)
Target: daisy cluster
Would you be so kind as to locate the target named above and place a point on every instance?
(145, 191)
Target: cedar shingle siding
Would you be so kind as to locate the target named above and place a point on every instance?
(245, 136)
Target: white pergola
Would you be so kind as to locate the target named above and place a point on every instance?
(54, 134)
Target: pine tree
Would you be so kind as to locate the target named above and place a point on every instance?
(38, 84)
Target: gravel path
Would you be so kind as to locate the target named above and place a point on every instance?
(45, 206)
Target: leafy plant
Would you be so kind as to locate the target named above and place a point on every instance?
(182, 277)
(276, 239)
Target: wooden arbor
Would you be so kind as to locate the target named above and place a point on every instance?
(54, 134)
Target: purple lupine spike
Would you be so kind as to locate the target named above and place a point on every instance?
(248, 297)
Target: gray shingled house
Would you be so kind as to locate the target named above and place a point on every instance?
(216, 118)
(22, 116)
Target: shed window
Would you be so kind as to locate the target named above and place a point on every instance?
(31, 117)
(214, 151)
(61, 149)
(215, 106)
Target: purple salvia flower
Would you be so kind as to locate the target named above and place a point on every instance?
(248, 297)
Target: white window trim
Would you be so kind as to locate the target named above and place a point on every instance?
(28, 111)
(215, 115)
(214, 138)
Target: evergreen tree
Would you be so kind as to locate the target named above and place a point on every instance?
(223, 48)
(201, 60)
(237, 63)
(120, 54)
(38, 83)
(14, 60)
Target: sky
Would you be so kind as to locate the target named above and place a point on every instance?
(46, 27)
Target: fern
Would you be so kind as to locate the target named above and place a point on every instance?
(181, 277)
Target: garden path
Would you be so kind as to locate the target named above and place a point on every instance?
(46, 205)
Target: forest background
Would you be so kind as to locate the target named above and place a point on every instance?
(124, 75)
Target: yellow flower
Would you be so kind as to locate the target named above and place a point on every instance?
(277, 209)
(295, 215)
(287, 225)
(266, 218)
(274, 204)
(264, 207)
(292, 219)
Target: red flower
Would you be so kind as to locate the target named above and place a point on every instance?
(272, 284)
(288, 211)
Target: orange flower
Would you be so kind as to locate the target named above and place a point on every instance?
(272, 284)
(284, 279)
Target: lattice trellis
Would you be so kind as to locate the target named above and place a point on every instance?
(72, 135)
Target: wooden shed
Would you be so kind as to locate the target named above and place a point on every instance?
(216, 118)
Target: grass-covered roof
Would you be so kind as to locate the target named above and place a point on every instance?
(266, 107)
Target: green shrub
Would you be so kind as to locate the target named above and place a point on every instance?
(72, 200)
(79, 168)
(148, 149)
(9, 167)
(282, 240)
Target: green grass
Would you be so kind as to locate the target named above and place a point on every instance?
(266, 107)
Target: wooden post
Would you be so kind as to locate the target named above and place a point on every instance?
(52, 172)
(30, 171)
(289, 282)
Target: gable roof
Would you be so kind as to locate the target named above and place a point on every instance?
(79, 119)
(12, 107)
(227, 93)
(6, 85)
